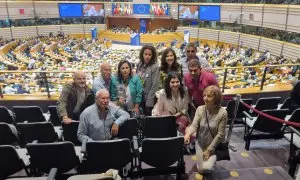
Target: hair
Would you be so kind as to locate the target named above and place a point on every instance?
(191, 45)
(168, 90)
(119, 69)
(154, 54)
(215, 90)
(101, 91)
(164, 64)
(194, 63)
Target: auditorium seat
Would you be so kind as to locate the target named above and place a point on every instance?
(160, 127)
(54, 118)
(162, 154)
(28, 114)
(128, 129)
(7, 135)
(112, 154)
(265, 104)
(231, 106)
(43, 132)
(61, 155)
(70, 132)
(10, 162)
(5, 116)
(286, 104)
(261, 127)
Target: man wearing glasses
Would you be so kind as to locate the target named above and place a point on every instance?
(191, 51)
(197, 80)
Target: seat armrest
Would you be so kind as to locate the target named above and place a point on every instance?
(52, 174)
(83, 146)
(247, 115)
(34, 141)
(135, 146)
(294, 130)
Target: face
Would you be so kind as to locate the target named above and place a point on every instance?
(80, 80)
(147, 55)
(125, 70)
(105, 71)
(190, 52)
(103, 100)
(194, 71)
(174, 84)
(170, 58)
(208, 98)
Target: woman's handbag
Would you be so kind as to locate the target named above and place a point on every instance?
(221, 151)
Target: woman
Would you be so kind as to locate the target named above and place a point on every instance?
(209, 124)
(126, 89)
(148, 71)
(173, 100)
(169, 63)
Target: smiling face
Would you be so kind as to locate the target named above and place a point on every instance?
(170, 58)
(174, 84)
(80, 79)
(190, 52)
(208, 98)
(147, 55)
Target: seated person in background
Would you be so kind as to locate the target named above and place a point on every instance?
(102, 81)
(209, 124)
(74, 98)
(101, 120)
(173, 100)
(169, 63)
(126, 88)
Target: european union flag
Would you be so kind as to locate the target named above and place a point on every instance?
(141, 8)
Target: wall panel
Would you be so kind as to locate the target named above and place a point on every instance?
(20, 10)
(293, 22)
(229, 37)
(275, 16)
(273, 46)
(193, 31)
(291, 51)
(73, 29)
(252, 14)
(208, 34)
(249, 41)
(230, 12)
(46, 9)
(21, 32)
(5, 33)
(173, 8)
(45, 30)
(3, 11)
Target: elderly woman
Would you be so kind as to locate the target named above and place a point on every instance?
(209, 124)
(126, 89)
(173, 100)
(148, 71)
(169, 64)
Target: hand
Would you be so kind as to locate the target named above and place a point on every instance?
(177, 114)
(114, 129)
(121, 100)
(206, 155)
(187, 139)
(67, 120)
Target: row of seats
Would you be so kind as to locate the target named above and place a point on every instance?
(158, 147)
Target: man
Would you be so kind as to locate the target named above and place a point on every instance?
(103, 81)
(101, 121)
(74, 98)
(191, 51)
(196, 81)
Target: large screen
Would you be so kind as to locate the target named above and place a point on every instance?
(160, 9)
(141, 8)
(188, 12)
(209, 13)
(70, 10)
(123, 9)
(93, 9)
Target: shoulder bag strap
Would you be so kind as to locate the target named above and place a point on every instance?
(208, 122)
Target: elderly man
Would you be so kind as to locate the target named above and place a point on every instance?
(74, 98)
(103, 81)
(101, 121)
(191, 51)
(196, 81)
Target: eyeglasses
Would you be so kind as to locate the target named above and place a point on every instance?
(188, 51)
(193, 70)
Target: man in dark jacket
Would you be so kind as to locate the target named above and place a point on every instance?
(74, 98)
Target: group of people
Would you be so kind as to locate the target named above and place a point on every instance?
(152, 91)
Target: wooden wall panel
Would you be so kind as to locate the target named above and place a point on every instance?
(3, 11)
(45, 30)
(291, 51)
(46, 9)
(293, 22)
(249, 41)
(273, 46)
(20, 10)
(275, 16)
(21, 32)
(5, 33)
(229, 37)
(252, 14)
(73, 29)
(230, 12)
